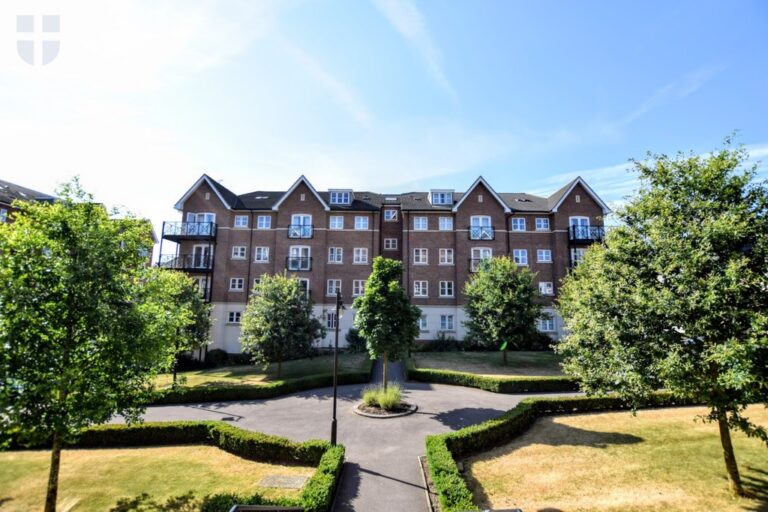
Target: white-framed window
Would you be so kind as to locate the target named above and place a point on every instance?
(579, 228)
(442, 197)
(3, 214)
(335, 255)
(301, 226)
(546, 288)
(420, 224)
(260, 254)
(336, 222)
(547, 324)
(358, 287)
(446, 288)
(390, 244)
(420, 256)
(341, 197)
(304, 285)
(234, 317)
(577, 256)
(201, 218)
(446, 257)
(360, 255)
(236, 284)
(330, 320)
(480, 228)
(420, 289)
(263, 222)
(238, 252)
(299, 257)
(542, 224)
(333, 286)
(520, 256)
(544, 255)
(445, 224)
(479, 254)
(518, 224)
(423, 325)
(241, 221)
(390, 215)
(446, 323)
(361, 222)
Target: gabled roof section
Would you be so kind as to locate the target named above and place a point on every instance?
(556, 199)
(10, 191)
(302, 179)
(477, 182)
(226, 196)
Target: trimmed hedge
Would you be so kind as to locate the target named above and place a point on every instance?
(494, 384)
(194, 394)
(317, 495)
(443, 449)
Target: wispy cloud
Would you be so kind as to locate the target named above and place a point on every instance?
(344, 95)
(406, 18)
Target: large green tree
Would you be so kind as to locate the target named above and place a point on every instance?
(676, 297)
(385, 317)
(84, 323)
(278, 323)
(502, 304)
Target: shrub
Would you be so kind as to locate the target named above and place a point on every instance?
(386, 399)
(216, 357)
(355, 342)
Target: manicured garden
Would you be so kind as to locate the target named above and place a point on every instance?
(659, 460)
(95, 479)
(530, 363)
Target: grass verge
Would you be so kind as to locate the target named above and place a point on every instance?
(540, 363)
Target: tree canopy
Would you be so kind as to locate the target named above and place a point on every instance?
(676, 297)
(278, 323)
(502, 304)
(85, 325)
(384, 315)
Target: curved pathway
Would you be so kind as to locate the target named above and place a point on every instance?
(382, 471)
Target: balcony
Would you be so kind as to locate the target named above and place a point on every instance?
(481, 233)
(176, 231)
(586, 234)
(189, 262)
(300, 231)
(476, 263)
(298, 263)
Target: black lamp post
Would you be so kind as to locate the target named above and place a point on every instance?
(339, 307)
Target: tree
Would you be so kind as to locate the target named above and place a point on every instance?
(278, 322)
(676, 297)
(84, 324)
(188, 302)
(385, 316)
(502, 304)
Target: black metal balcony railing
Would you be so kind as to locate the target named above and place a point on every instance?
(301, 263)
(180, 230)
(481, 233)
(476, 263)
(300, 231)
(587, 233)
(201, 262)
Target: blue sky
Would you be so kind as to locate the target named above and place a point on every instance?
(382, 95)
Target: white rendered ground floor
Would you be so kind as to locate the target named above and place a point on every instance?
(225, 333)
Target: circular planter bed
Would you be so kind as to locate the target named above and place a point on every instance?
(404, 409)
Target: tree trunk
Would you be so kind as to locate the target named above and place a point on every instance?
(53, 474)
(279, 367)
(386, 358)
(504, 355)
(730, 457)
(175, 364)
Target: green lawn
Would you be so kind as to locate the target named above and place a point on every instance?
(94, 480)
(255, 375)
(543, 362)
(659, 460)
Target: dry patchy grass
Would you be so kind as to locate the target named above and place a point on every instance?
(659, 460)
(531, 363)
(93, 480)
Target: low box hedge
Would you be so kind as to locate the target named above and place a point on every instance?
(442, 450)
(316, 496)
(513, 384)
(194, 394)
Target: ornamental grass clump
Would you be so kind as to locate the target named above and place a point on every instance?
(387, 399)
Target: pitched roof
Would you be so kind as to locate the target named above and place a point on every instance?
(302, 179)
(226, 196)
(481, 181)
(10, 191)
(556, 199)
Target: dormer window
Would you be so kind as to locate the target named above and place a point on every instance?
(441, 197)
(341, 196)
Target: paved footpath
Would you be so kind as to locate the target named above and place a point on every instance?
(382, 472)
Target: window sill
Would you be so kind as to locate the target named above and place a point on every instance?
(261, 261)
(545, 262)
(447, 296)
(335, 262)
(446, 264)
(237, 258)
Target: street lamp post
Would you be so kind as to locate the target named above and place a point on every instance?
(335, 364)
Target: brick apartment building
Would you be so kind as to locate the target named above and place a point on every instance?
(10, 192)
(328, 240)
